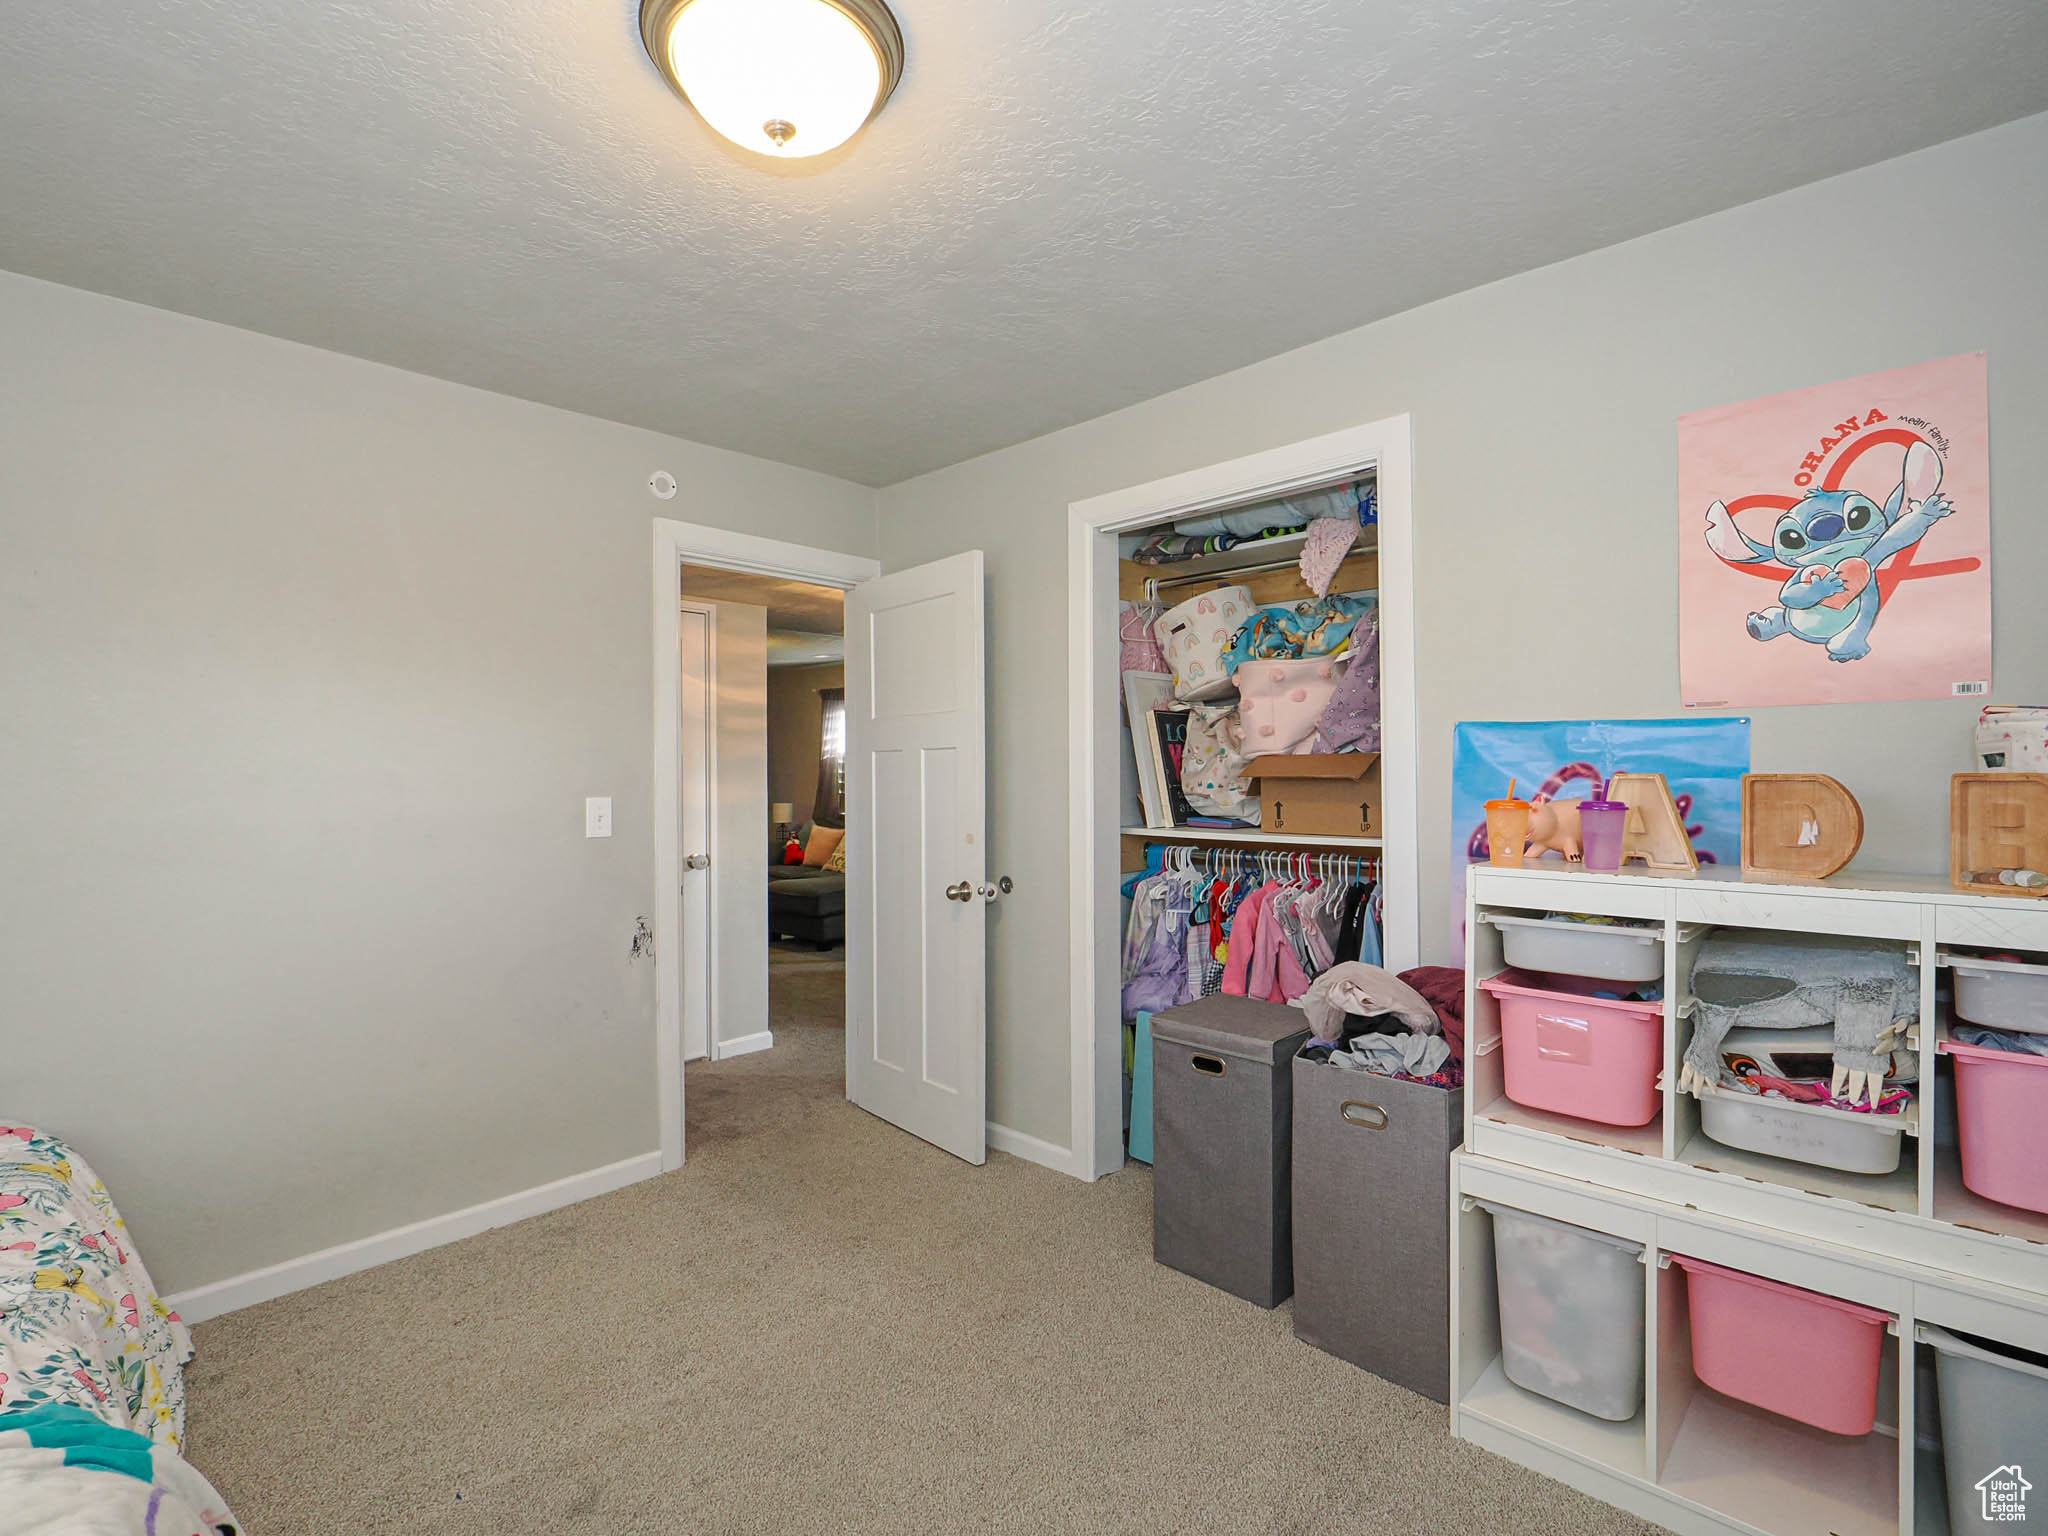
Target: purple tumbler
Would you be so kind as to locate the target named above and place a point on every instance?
(1601, 825)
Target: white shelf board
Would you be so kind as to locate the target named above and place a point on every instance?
(1644, 1140)
(1853, 883)
(1602, 1442)
(1257, 836)
(1780, 1476)
(1958, 1205)
(1895, 1191)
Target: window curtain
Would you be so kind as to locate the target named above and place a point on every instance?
(830, 810)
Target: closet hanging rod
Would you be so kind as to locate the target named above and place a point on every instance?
(1224, 576)
(1227, 574)
(1332, 864)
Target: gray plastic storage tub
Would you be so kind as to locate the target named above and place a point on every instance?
(2000, 994)
(1372, 1222)
(1562, 946)
(1571, 1312)
(1994, 1421)
(1222, 1123)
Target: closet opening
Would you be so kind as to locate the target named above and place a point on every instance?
(1242, 675)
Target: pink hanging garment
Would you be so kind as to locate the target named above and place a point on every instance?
(1276, 974)
(1243, 940)
(1141, 652)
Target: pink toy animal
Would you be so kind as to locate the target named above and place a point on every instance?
(1554, 824)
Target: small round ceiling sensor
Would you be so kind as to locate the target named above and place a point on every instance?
(663, 484)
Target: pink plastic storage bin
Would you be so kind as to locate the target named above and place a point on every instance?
(2002, 1123)
(1807, 1356)
(1591, 1057)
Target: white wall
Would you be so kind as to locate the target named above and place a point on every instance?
(1545, 412)
(739, 872)
(309, 664)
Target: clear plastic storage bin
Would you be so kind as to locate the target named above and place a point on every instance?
(1605, 951)
(1994, 1418)
(2000, 994)
(1804, 1133)
(1571, 1312)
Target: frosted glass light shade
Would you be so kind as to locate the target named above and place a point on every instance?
(788, 78)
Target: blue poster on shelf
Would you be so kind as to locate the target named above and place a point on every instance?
(1703, 759)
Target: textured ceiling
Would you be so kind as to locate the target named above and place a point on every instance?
(1066, 208)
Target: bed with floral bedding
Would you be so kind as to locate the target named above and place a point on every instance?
(92, 1394)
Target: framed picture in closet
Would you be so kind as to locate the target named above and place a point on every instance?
(1143, 693)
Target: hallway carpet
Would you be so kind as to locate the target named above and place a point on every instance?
(822, 1324)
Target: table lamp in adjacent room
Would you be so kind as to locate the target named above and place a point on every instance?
(782, 813)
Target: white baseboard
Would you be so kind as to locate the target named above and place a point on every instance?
(1033, 1150)
(745, 1045)
(246, 1290)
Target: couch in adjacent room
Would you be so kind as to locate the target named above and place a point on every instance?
(804, 901)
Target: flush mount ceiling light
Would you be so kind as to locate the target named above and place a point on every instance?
(788, 78)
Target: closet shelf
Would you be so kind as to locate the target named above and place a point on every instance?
(1256, 836)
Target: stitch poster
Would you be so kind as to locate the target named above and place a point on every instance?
(1835, 542)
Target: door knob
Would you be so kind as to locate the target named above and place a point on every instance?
(961, 892)
(697, 861)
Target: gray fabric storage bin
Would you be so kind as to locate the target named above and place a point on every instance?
(1372, 1222)
(1222, 1118)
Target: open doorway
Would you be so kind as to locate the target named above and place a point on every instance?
(745, 629)
(917, 882)
(763, 759)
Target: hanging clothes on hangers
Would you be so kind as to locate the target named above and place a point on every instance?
(1263, 925)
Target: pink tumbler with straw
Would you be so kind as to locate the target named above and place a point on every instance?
(1601, 825)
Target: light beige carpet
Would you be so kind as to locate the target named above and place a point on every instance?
(821, 1324)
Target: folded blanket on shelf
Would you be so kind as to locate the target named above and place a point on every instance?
(1863, 989)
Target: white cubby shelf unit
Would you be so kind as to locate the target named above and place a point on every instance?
(1913, 1243)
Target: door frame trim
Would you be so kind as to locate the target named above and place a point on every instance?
(1096, 1059)
(709, 725)
(677, 544)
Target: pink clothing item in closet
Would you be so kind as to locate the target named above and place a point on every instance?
(1243, 939)
(1329, 541)
(1280, 702)
(1141, 651)
(1276, 973)
(1358, 990)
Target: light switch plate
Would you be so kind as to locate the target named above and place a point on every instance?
(597, 816)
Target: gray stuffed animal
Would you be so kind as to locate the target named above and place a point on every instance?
(1863, 988)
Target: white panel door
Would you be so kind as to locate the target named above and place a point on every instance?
(697, 906)
(916, 865)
